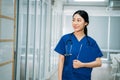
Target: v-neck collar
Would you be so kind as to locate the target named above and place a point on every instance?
(80, 39)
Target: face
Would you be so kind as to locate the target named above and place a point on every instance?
(78, 23)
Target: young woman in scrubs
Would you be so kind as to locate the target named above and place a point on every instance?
(78, 52)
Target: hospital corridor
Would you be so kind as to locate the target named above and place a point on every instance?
(31, 29)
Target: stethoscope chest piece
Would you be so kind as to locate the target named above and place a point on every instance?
(68, 47)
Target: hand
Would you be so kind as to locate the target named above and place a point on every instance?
(77, 64)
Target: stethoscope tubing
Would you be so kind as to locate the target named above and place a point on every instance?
(70, 43)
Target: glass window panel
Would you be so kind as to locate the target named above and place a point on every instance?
(7, 8)
(7, 29)
(114, 33)
(31, 39)
(42, 44)
(105, 55)
(52, 42)
(22, 37)
(98, 29)
(68, 27)
(37, 40)
(55, 33)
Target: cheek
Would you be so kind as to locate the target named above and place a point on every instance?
(82, 25)
(78, 25)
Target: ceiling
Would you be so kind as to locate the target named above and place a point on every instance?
(113, 4)
(87, 2)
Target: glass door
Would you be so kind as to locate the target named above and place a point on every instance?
(31, 40)
(7, 38)
(26, 39)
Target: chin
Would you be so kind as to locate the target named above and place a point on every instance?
(76, 30)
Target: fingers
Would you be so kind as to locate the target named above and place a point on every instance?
(77, 64)
(75, 60)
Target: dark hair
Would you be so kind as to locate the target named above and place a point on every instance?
(85, 16)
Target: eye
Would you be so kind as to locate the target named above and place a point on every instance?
(79, 20)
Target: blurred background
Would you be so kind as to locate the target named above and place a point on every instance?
(30, 30)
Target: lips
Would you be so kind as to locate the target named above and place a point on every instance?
(75, 27)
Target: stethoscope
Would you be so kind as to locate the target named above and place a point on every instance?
(68, 52)
(69, 45)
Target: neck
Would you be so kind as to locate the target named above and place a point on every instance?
(79, 35)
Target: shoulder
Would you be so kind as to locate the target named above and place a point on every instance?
(91, 40)
(66, 36)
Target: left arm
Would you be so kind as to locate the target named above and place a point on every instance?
(79, 64)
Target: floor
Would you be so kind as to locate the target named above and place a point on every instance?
(102, 73)
(99, 73)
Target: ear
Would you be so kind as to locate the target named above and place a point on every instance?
(86, 23)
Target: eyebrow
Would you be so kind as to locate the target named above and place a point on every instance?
(77, 18)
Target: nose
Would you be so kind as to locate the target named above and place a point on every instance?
(75, 22)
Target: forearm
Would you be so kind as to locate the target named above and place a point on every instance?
(60, 67)
(79, 64)
(96, 63)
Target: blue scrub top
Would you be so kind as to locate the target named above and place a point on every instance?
(89, 52)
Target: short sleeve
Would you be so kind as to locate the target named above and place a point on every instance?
(99, 52)
(60, 47)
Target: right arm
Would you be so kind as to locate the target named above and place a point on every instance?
(60, 66)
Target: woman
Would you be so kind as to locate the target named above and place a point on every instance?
(78, 52)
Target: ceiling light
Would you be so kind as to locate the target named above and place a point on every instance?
(89, 0)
